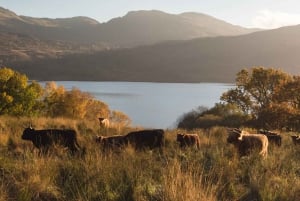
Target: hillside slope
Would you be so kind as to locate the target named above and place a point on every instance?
(200, 60)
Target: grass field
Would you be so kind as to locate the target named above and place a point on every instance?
(215, 172)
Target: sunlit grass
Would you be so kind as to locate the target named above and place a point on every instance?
(215, 172)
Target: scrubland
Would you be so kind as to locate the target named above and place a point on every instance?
(215, 172)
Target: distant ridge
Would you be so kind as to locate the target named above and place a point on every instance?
(141, 46)
(215, 59)
(134, 29)
(149, 27)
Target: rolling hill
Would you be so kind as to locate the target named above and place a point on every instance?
(213, 59)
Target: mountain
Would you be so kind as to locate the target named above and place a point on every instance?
(149, 27)
(76, 29)
(26, 38)
(214, 59)
(134, 29)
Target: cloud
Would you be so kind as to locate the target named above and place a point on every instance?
(267, 19)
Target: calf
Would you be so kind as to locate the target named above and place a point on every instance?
(111, 142)
(44, 139)
(185, 140)
(245, 142)
(274, 138)
(103, 122)
(296, 139)
(146, 139)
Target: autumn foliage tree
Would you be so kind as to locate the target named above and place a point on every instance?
(262, 97)
(289, 98)
(72, 104)
(18, 97)
(269, 95)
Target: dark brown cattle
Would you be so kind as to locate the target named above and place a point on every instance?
(111, 142)
(273, 137)
(245, 142)
(188, 140)
(146, 139)
(296, 139)
(44, 139)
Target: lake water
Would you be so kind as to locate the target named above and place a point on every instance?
(152, 105)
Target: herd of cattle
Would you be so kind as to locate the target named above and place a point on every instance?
(151, 139)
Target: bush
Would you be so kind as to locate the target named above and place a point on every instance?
(227, 115)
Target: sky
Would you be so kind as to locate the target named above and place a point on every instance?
(265, 14)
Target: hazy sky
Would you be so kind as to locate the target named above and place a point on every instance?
(248, 13)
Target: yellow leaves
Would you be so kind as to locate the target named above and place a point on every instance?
(95, 109)
(73, 104)
(6, 98)
(17, 96)
(5, 74)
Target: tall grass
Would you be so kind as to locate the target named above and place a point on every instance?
(215, 172)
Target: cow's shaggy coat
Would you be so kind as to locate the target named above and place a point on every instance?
(111, 142)
(146, 139)
(44, 139)
(246, 143)
(273, 137)
(188, 140)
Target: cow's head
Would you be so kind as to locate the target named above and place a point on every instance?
(99, 139)
(234, 136)
(28, 133)
(101, 119)
(295, 138)
(179, 137)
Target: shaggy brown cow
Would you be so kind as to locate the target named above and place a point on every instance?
(245, 143)
(111, 142)
(44, 139)
(146, 139)
(296, 139)
(186, 140)
(273, 137)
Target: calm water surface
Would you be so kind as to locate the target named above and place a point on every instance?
(152, 105)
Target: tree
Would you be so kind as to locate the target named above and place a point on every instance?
(95, 109)
(58, 102)
(17, 95)
(289, 98)
(276, 116)
(258, 92)
(120, 119)
(54, 99)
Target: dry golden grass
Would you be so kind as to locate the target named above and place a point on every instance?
(214, 172)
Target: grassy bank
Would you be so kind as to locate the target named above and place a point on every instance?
(212, 173)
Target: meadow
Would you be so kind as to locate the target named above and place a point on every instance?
(214, 172)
